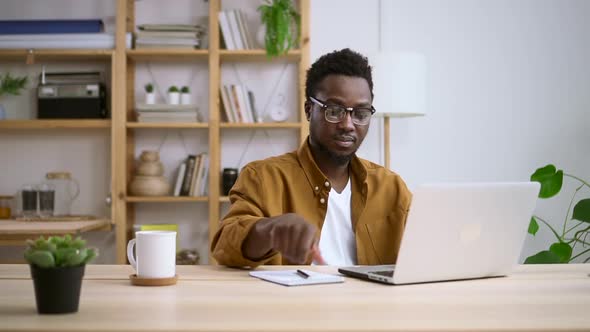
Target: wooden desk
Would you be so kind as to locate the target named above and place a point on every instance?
(213, 298)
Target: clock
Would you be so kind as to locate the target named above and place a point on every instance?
(279, 114)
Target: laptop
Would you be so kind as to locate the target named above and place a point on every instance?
(459, 231)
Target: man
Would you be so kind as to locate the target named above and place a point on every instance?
(320, 204)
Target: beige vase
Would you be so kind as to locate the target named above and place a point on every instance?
(148, 180)
(149, 186)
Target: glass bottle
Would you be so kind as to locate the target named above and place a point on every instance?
(66, 189)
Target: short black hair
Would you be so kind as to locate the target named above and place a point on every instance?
(343, 62)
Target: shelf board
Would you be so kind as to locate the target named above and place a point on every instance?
(267, 125)
(157, 125)
(256, 55)
(54, 124)
(57, 54)
(13, 232)
(167, 54)
(166, 199)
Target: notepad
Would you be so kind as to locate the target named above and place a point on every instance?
(292, 278)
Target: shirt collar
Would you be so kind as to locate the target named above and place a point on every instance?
(317, 180)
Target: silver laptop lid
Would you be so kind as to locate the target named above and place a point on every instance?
(462, 231)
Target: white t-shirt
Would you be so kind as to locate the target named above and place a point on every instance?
(337, 241)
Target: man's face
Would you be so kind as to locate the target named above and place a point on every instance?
(338, 140)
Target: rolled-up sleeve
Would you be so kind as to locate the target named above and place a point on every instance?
(247, 197)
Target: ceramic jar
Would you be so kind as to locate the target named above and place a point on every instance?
(149, 179)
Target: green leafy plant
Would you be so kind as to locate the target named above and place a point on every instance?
(12, 85)
(149, 88)
(185, 89)
(58, 251)
(576, 225)
(283, 26)
(173, 88)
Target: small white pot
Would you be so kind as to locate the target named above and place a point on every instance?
(173, 98)
(185, 98)
(150, 98)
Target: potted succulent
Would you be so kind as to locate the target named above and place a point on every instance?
(281, 26)
(185, 95)
(150, 96)
(173, 95)
(57, 267)
(10, 86)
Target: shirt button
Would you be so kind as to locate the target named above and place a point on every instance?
(327, 184)
(316, 188)
(322, 200)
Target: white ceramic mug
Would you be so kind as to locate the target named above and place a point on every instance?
(155, 254)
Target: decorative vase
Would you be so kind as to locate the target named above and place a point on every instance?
(173, 98)
(185, 98)
(149, 155)
(57, 290)
(148, 179)
(150, 98)
(143, 185)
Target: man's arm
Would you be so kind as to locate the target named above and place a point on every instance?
(289, 234)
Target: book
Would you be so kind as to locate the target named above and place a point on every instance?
(191, 191)
(171, 27)
(166, 34)
(186, 182)
(179, 178)
(292, 278)
(235, 30)
(226, 104)
(12, 27)
(225, 31)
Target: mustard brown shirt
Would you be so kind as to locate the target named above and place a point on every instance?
(293, 183)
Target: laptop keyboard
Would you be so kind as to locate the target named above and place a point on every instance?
(388, 273)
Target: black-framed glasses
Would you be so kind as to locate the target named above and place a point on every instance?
(336, 113)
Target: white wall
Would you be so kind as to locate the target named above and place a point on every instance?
(507, 88)
(507, 93)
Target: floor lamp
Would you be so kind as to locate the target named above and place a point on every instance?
(399, 86)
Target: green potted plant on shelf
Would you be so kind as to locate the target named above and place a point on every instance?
(150, 96)
(576, 224)
(185, 95)
(10, 85)
(281, 26)
(173, 95)
(57, 267)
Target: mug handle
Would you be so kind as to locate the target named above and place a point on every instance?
(130, 255)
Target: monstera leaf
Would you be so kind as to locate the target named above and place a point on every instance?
(550, 179)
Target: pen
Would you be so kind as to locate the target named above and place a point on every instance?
(302, 274)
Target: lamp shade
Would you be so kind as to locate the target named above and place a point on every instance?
(399, 84)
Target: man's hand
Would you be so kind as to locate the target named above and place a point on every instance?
(289, 234)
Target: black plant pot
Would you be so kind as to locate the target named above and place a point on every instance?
(57, 290)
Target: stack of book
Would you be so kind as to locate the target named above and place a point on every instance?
(169, 36)
(167, 113)
(56, 33)
(238, 104)
(234, 30)
(191, 179)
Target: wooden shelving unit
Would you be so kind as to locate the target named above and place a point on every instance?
(214, 56)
